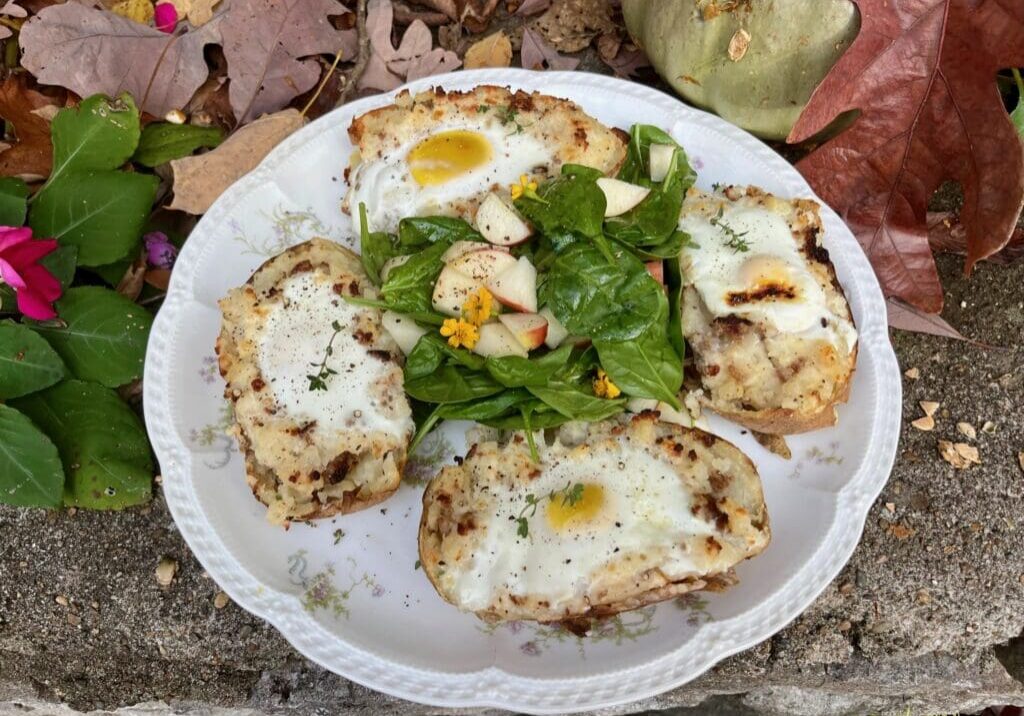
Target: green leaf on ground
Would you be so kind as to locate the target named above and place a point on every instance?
(27, 362)
(30, 471)
(13, 201)
(1017, 115)
(162, 141)
(105, 337)
(100, 134)
(100, 440)
(101, 212)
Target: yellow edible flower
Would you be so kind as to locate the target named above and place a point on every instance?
(477, 308)
(460, 333)
(525, 186)
(604, 387)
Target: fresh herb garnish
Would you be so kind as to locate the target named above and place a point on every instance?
(319, 381)
(571, 494)
(338, 534)
(482, 107)
(736, 241)
(507, 115)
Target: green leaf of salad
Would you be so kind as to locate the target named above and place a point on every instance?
(452, 384)
(161, 142)
(1017, 115)
(101, 442)
(570, 203)
(103, 336)
(27, 362)
(30, 471)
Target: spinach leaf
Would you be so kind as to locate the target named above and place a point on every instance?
(577, 404)
(484, 408)
(569, 203)
(452, 384)
(431, 350)
(375, 247)
(540, 417)
(516, 371)
(646, 367)
(415, 233)
(674, 290)
(655, 219)
(410, 286)
(592, 297)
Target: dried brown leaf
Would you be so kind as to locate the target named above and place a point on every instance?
(435, 62)
(904, 317)
(775, 444)
(405, 15)
(31, 155)
(493, 51)
(130, 285)
(197, 12)
(412, 59)
(265, 43)
(532, 7)
(476, 15)
(901, 531)
(92, 51)
(947, 235)
(199, 180)
(537, 55)
(628, 62)
(570, 25)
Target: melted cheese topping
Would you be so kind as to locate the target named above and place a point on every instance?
(634, 514)
(293, 342)
(438, 174)
(443, 156)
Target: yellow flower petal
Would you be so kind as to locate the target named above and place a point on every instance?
(137, 10)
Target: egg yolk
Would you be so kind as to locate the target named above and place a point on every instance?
(766, 278)
(562, 515)
(446, 155)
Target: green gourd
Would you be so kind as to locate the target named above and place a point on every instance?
(790, 46)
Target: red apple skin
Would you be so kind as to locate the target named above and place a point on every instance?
(657, 271)
(530, 329)
(516, 287)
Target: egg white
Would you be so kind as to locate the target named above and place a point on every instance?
(643, 523)
(386, 185)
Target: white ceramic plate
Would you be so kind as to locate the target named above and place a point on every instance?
(346, 592)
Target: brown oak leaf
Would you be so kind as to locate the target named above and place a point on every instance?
(538, 55)
(904, 317)
(922, 73)
(947, 235)
(92, 51)
(30, 156)
(492, 51)
(412, 59)
(268, 45)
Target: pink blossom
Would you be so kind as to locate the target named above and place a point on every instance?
(160, 252)
(35, 287)
(165, 17)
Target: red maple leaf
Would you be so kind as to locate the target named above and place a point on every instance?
(923, 75)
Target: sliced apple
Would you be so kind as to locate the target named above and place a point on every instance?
(530, 329)
(661, 161)
(461, 248)
(499, 223)
(620, 196)
(451, 290)
(484, 264)
(391, 264)
(657, 270)
(668, 414)
(556, 331)
(403, 329)
(516, 286)
(496, 340)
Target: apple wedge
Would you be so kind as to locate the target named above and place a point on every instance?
(483, 264)
(516, 286)
(620, 196)
(403, 329)
(661, 161)
(668, 414)
(499, 223)
(461, 248)
(556, 331)
(530, 329)
(451, 291)
(657, 270)
(496, 340)
(391, 264)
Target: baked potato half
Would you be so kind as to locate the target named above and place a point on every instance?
(623, 514)
(767, 322)
(315, 384)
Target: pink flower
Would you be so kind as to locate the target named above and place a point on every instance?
(165, 17)
(35, 287)
(160, 252)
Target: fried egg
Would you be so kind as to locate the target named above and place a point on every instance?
(743, 261)
(637, 512)
(440, 153)
(316, 385)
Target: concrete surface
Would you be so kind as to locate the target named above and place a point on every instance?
(914, 621)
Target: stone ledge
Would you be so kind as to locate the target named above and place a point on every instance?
(911, 622)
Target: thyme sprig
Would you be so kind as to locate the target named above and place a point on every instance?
(736, 241)
(571, 494)
(323, 374)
